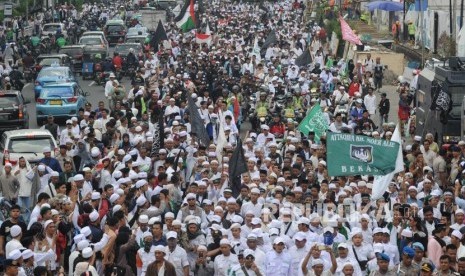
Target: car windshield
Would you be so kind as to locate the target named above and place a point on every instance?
(125, 48)
(56, 92)
(51, 28)
(135, 40)
(49, 61)
(29, 144)
(114, 28)
(137, 31)
(90, 40)
(8, 100)
(72, 51)
(53, 73)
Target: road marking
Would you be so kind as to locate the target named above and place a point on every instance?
(26, 85)
(92, 83)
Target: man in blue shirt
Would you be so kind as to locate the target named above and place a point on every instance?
(49, 161)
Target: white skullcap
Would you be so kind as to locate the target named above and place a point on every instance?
(87, 252)
(15, 231)
(93, 216)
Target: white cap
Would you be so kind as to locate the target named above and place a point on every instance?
(160, 248)
(93, 216)
(83, 244)
(95, 196)
(15, 255)
(171, 235)
(86, 231)
(87, 252)
(225, 242)
(15, 231)
(457, 234)
(278, 240)
(143, 219)
(27, 254)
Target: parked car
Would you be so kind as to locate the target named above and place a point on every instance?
(28, 143)
(52, 74)
(62, 100)
(13, 111)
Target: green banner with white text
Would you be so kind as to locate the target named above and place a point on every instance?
(349, 154)
(314, 121)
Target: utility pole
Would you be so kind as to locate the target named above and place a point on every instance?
(422, 32)
(454, 25)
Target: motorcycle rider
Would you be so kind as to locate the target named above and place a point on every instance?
(28, 60)
(277, 127)
(117, 62)
(16, 77)
(261, 108)
(131, 59)
(108, 66)
(289, 108)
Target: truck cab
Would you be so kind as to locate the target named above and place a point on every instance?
(450, 76)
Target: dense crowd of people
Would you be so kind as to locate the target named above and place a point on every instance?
(134, 189)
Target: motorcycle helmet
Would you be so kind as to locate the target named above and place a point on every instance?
(131, 50)
(7, 79)
(98, 56)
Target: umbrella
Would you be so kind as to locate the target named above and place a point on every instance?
(385, 6)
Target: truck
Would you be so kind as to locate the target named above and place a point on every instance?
(447, 127)
(150, 17)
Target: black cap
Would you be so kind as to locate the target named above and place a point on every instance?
(10, 262)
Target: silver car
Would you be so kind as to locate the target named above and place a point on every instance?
(27, 143)
(94, 42)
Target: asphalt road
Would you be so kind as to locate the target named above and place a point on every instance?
(96, 94)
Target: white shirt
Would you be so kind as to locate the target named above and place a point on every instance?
(278, 264)
(12, 245)
(178, 258)
(223, 263)
(370, 103)
(146, 258)
(249, 206)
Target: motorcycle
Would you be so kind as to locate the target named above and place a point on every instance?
(29, 74)
(131, 71)
(105, 76)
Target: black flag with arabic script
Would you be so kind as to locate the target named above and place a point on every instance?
(237, 166)
(197, 125)
(441, 101)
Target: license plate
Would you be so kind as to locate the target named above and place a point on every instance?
(55, 102)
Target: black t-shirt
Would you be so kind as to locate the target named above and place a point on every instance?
(5, 229)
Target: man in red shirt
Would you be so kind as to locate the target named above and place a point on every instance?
(117, 61)
(277, 128)
(354, 86)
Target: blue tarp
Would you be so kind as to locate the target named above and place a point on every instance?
(385, 6)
